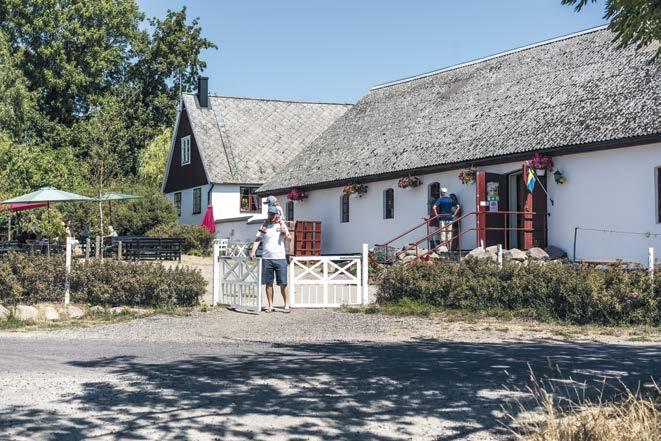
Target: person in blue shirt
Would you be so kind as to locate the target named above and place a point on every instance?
(448, 209)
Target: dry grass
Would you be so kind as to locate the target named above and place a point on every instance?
(620, 414)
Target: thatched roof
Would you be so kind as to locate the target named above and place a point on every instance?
(573, 91)
(244, 140)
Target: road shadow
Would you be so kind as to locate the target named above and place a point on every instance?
(331, 390)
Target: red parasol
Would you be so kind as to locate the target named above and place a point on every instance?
(209, 222)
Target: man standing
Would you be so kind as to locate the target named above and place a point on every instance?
(447, 208)
(274, 258)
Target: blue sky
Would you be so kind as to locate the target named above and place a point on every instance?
(336, 50)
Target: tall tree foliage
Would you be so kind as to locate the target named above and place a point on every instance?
(17, 106)
(635, 22)
(73, 53)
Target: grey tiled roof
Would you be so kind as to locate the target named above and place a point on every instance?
(567, 92)
(243, 140)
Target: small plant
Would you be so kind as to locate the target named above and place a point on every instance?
(296, 194)
(355, 189)
(409, 182)
(559, 177)
(541, 162)
(467, 175)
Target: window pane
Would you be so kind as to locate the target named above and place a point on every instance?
(290, 210)
(389, 204)
(344, 207)
(658, 193)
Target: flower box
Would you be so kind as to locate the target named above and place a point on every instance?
(357, 190)
(409, 182)
(297, 194)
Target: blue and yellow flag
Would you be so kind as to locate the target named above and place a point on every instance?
(530, 179)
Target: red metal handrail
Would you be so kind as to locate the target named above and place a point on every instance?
(449, 227)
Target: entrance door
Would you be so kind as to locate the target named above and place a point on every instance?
(535, 225)
(491, 200)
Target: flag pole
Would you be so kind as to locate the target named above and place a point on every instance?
(540, 183)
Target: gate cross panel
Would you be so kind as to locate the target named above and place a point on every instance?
(327, 281)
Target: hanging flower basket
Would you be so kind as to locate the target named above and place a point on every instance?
(467, 175)
(541, 164)
(409, 182)
(559, 177)
(355, 190)
(296, 194)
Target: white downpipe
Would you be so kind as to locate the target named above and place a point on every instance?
(650, 260)
(67, 265)
(500, 256)
(365, 275)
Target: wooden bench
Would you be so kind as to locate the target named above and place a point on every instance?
(149, 248)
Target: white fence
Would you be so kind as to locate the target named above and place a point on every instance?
(314, 281)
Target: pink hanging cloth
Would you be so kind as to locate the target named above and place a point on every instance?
(209, 222)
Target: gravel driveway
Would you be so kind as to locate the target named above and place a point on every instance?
(306, 375)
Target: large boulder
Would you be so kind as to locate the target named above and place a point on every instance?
(537, 253)
(51, 313)
(515, 255)
(26, 313)
(408, 258)
(481, 253)
(74, 312)
(412, 250)
(4, 313)
(555, 252)
(493, 249)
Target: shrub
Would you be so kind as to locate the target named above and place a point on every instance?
(552, 291)
(25, 279)
(136, 217)
(197, 239)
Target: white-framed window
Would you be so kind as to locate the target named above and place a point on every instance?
(250, 202)
(290, 211)
(185, 150)
(197, 200)
(344, 208)
(177, 202)
(389, 203)
(658, 194)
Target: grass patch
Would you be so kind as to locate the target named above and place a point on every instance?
(639, 338)
(92, 318)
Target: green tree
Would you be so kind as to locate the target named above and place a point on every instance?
(71, 50)
(104, 138)
(154, 158)
(634, 22)
(17, 106)
(169, 59)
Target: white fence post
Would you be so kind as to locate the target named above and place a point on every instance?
(67, 265)
(500, 256)
(292, 283)
(365, 276)
(214, 273)
(650, 260)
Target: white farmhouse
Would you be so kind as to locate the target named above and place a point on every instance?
(594, 109)
(224, 148)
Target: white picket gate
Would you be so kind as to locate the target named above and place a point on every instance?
(236, 282)
(314, 281)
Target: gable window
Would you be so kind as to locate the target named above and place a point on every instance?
(658, 194)
(185, 150)
(434, 194)
(197, 200)
(344, 208)
(177, 203)
(290, 211)
(249, 200)
(389, 203)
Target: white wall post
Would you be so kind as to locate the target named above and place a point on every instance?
(650, 260)
(499, 249)
(292, 282)
(214, 273)
(67, 265)
(365, 276)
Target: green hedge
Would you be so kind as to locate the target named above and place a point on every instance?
(25, 279)
(197, 239)
(551, 291)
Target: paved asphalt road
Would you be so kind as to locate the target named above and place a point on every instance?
(125, 382)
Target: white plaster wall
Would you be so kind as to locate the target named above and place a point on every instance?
(612, 190)
(239, 231)
(366, 223)
(187, 216)
(609, 189)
